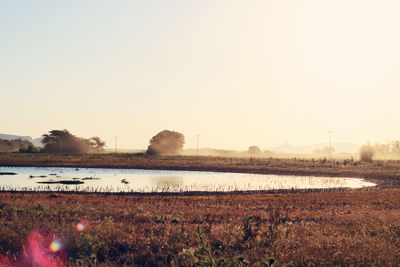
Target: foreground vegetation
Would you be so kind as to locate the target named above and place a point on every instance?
(385, 173)
(325, 228)
(303, 229)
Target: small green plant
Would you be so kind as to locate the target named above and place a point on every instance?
(205, 248)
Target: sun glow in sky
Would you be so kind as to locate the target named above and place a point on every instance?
(238, 73)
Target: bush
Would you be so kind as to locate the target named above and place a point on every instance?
(366, 153)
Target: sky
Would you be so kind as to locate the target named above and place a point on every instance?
(237, 73)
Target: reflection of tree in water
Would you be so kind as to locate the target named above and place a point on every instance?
(166, 181)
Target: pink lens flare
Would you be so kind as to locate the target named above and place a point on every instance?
(81, 226)
(46, 250)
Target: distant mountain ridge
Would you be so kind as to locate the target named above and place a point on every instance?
(37, 141)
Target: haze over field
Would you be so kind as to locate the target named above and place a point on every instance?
(237, 73)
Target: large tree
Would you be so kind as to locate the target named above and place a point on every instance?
(166, 143)
(62, 141)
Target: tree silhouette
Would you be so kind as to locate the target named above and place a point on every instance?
(97, 144)
(62, 141)
(367, 153)
(166, 143)
(255, 151)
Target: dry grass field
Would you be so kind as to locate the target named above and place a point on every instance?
(337, 228)
(326, 228)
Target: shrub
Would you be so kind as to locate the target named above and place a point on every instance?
(366, 153)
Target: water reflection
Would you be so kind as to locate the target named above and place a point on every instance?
(125, 180)
(168, 181)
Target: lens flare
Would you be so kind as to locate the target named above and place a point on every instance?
(80, 226)
(45, 249)
(55, 246)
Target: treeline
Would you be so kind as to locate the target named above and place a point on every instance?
(62, 141)
(389, 150)
(56, 141)
(16, 145)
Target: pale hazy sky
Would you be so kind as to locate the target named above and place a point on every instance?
(238, 73)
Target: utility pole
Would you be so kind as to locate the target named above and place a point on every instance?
(116, 141)
(197, 144)
(330, 144)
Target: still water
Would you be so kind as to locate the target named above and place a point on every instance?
(133, 180)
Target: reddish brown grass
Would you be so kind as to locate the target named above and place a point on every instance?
(326, 228)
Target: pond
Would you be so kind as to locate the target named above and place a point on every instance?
(135, 180)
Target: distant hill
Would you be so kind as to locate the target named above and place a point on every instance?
(14, 137)
(308, 149)
(37, 141)
(285, 148)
